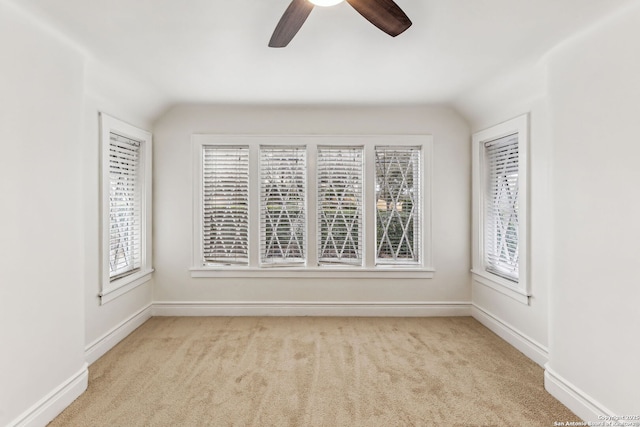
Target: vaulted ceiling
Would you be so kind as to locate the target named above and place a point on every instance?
(215, 51)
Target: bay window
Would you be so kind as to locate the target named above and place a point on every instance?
(288, 206)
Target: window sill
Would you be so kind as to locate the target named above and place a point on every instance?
(124, 285)
(501, 285)
(318, 272)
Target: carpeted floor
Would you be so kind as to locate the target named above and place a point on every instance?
(305, 371)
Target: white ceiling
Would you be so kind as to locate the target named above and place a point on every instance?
(215, 51)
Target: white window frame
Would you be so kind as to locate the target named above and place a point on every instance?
(112, 289)
(519, 290)
(312, 268)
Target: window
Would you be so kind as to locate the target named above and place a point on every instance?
(501, 229)
(126, 188)
(283, 216)
(125, 221)
(340, 199)
(397, 205)
(225, 216)
(345, 206)
(500, 208)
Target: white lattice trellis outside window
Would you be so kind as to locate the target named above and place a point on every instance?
(340, 196)
(398, 205)
(311, 206)
(501, 227)
(500, 212)
(283, 205)
(125, 216)
(126, 207)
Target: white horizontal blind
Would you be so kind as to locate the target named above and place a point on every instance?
(398, 195)
(501, 207)
(340, 196)
(225, 216)
(125, 195)
(283, 205)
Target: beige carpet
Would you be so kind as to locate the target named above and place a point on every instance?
(208, 371)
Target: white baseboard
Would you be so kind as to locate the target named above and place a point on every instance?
(99, 347)
(50, 406)
(531, 348)
(304, 308)
(583, 405)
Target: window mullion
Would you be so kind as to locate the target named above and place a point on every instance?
(312, 205)
(254, 205)
(369, 203)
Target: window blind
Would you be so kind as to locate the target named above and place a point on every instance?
(225, 216)
(282, 205)
(398, 177)
(340, 196)
(125, 218)
(501, 207)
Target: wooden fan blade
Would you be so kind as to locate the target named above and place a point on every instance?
(290, 23)
(384, 14)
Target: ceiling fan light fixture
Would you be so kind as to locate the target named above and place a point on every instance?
(384, 14)
(326, 2)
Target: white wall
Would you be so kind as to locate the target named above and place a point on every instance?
(173, 202)
(594, 92)
(521, 91)
(41, 248)
(51, 91)
(114, 92)
(584, 98)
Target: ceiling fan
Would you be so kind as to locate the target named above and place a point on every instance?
(384, 14)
